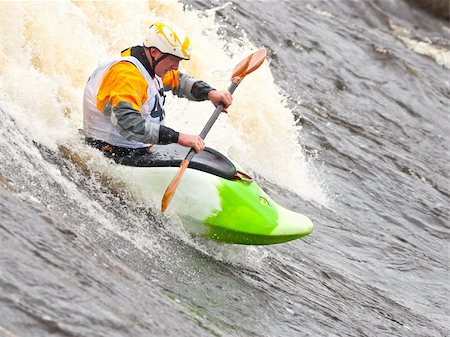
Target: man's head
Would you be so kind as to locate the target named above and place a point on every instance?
(166, 46)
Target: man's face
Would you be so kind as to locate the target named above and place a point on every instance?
(171, 62)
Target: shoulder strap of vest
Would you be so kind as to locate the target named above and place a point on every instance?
(139, 53)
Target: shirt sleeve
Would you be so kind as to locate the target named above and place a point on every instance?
(186, 86)
(123, 82)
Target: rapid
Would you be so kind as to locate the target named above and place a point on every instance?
(346, 122)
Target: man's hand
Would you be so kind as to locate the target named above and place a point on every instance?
(194, 141)
(218, 97)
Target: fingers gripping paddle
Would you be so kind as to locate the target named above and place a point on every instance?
(245, 67)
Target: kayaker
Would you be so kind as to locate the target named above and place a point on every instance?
(123, 103)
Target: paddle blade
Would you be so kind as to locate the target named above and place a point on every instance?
(170, 191)
(248, 65)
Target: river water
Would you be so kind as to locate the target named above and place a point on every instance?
(347, 122)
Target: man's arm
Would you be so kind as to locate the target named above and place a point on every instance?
(186, 86)
(183, 85)
(121, 94)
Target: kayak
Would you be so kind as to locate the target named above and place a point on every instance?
(215, 198)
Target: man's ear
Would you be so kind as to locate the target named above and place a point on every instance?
(153, 52)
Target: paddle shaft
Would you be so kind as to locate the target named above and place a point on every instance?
(210, 122)
(242, 69)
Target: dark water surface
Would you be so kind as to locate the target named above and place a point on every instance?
(74, 260)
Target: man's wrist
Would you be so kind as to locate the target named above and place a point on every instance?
(168, 135)
(200, 90)
(209, 92)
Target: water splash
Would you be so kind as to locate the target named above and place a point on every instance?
(46, 59)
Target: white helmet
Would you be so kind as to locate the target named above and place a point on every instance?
(169, 40)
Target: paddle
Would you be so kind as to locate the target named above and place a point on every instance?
(242, 69)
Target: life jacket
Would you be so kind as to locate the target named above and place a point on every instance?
(98, 124)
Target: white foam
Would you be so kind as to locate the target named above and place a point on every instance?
(439, 54)
(45, 61)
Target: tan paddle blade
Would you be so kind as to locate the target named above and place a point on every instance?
(248, 65)
(170, 191)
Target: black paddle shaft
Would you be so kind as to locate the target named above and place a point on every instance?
(210, 122)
